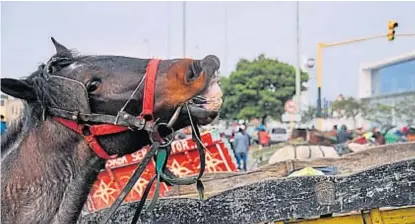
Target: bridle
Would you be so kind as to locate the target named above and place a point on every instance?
(90, 125)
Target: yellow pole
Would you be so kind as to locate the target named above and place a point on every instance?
(405, 35)
(360, 39)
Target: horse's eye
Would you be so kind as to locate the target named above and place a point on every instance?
(93, 85)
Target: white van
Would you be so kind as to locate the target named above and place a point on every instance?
(278, 134)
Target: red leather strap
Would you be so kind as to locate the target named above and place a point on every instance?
(149, 88)
(96, 147)
(70, 124)
(95, 130)
(106, 129)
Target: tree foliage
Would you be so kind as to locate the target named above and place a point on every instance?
(258, 88)
(349, 107)
(378, 113)
(405, 110)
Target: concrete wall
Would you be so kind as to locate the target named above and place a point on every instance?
(365, 83)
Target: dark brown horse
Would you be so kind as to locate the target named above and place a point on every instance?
(47, 168)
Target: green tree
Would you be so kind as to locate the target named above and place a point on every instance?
(405, 109)
(378, 113)
(349, 107)
(258, 88)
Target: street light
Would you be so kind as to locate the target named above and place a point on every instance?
(297, 66)
(392, 24)
(310, 62)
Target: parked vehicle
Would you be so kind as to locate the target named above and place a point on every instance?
(278, 134)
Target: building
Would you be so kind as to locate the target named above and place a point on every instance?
(388, 81)
(10, 107)
(387, 77)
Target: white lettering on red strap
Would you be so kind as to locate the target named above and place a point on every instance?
(117, 162)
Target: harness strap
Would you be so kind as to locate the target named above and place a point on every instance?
(163, 174)
(131, 182)
(150, 83)
(124, 119)
(143, 200)
(170, 178)
(96, 130)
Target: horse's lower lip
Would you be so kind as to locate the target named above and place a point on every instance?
(210, 99)
(204, 116)
(213, 91)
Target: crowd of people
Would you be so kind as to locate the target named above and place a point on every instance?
(374, 136)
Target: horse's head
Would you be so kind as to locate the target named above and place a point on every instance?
(104, 85)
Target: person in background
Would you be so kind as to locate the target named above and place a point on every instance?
(402, 133)
(228, 146)
(343, 136)
(378, 137)
(334, 129)
(244, 128)
(241, 146)
(3, 125)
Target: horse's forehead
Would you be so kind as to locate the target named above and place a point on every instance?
(108, 66)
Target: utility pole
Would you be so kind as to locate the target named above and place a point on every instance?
(168, 31)
(225, 57)
(297, 66)
(184, 29)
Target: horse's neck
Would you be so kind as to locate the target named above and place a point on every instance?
(52, 172)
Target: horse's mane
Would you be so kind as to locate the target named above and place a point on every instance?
(16, 128)
(30, 114)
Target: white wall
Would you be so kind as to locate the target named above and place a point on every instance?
(365, 84)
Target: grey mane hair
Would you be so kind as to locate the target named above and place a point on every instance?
(16, 130)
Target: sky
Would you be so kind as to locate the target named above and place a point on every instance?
(147, 29)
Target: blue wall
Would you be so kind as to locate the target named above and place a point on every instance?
(396, 78)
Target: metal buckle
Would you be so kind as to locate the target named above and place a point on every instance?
(75, 116)
(166, 141)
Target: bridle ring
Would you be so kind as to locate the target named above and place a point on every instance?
(166, 141)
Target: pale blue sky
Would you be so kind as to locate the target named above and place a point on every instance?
(140, 29)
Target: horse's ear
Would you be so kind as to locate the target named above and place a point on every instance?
(18, 89)
(60, 49)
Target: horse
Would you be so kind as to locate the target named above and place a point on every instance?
(80, 110)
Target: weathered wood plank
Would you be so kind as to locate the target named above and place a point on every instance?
(391, 185)
(350, 163)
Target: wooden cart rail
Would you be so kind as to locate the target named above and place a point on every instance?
(293, 198)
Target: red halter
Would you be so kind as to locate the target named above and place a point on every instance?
(106, 129)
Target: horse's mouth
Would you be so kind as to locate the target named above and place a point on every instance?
(205, 106)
